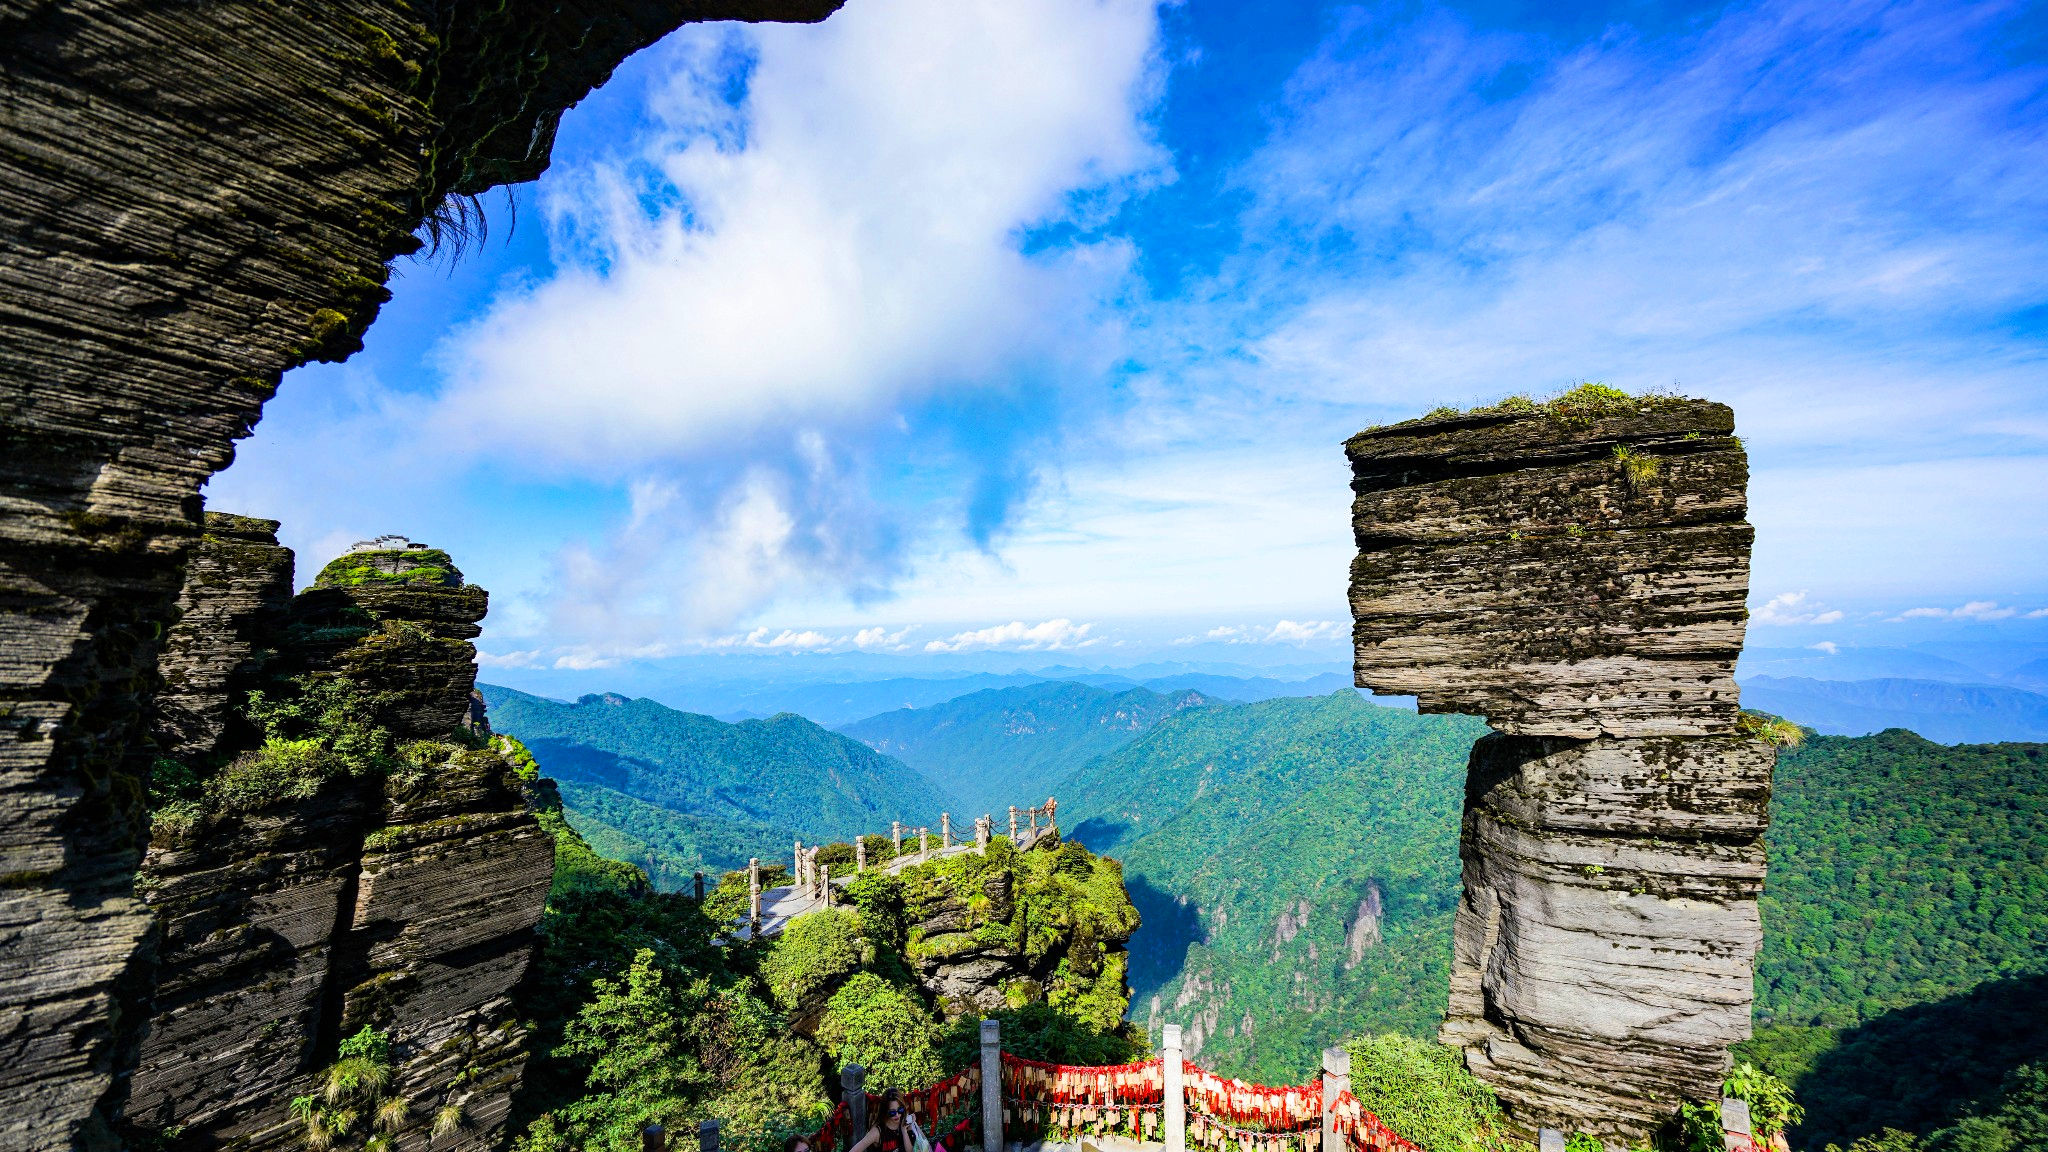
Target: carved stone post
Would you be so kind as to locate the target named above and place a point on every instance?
(1013, 823)
(1336, 1082)
(896, 834)
(860, 853)
(707, 1136)
(981, 833)
(796, 870)
(853, 1088)
(697, 882)
(1577, 574)
(754, 894)
(945, 831)
(653, 1139)
(924, 844)
(991, 1086)
(1737, 1134)
(1174, 1112)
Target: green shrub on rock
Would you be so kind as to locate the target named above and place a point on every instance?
(811, 957)
(1421, 1090)
(884, 1027)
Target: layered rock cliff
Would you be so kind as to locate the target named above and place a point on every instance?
(1576, 573)
(341, 854)
(193, 199)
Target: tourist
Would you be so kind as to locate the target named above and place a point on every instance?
(895, 1129)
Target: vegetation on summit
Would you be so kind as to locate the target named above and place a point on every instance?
(646, 1010)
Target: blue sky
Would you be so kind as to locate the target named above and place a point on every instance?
(951, 327)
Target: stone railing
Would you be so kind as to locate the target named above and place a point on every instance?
(814, 879)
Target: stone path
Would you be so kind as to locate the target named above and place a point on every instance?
(781, 905)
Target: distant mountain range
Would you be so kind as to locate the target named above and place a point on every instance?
(1945, 712)
(835, 705)
(736, 789)
(1005, 746)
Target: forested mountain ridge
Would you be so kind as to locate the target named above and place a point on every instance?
(1296, 865)
(1005, 746)
(1905, 955)
(1902, 871)
(755, 782)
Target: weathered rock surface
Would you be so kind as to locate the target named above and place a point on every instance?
(405, 903)
(238, 591)
(1578, 577)
(1509, 568)
(194, 198)
(402, 633)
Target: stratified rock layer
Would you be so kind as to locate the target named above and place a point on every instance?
(404, 903)
(238, 591)
(1509, 567)
(1577, 575)
(193, 199)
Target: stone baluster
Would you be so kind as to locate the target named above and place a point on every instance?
(754, 894)
(1737, 1131)
(924, 844)
(796, 870)
(945, 831)
(896, 834)
(860, 853)
(1013, 823)
(697, 882)
(1336, 1082)
(707, 1136)
(991, 1085)
(1174, 1116)
(653, 1139)
(853, 1088)
(982, 828)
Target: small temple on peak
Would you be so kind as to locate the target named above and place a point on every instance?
(387, 544)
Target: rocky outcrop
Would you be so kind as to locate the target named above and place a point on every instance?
(1576, 573)
(193, 199)
(403, 900)
(238, 592)
(979, 936)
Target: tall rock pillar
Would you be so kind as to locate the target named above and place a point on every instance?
(1576, 573)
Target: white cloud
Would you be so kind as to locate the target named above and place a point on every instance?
(1789, 608)
(1296, 632)
(1984, 610)
(1047, 635)
(749, 299)
(879, 639)
(2037, 614)
(1827, 646)
(844, 240)
(527, 659)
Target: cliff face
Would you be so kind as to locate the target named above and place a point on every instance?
(302, 901)
(1576, 573)
(194, 198)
